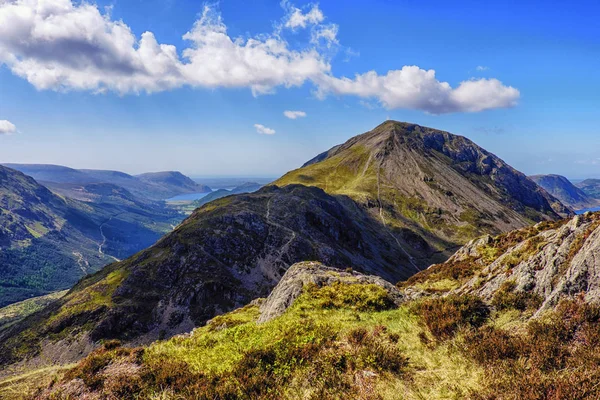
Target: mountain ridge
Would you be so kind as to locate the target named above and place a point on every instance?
(561, 188)
(448, 173)
(154, 186)
(49, 241)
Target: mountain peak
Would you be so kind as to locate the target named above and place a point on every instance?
(441, 186)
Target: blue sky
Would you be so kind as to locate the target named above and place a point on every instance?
(79, 94)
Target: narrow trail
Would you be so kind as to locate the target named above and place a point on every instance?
(410, 258)
(285, 248)
(104, 239)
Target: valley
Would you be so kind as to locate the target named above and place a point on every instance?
(53, 235)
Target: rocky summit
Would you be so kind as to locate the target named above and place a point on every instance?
(440, 187)
(540, 265)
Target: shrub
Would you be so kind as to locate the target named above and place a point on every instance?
(489, 345)
(506, 298)
(557, 357)
(444, 316)
(361, 297)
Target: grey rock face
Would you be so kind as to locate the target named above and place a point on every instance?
(301, 274)
(555, 264)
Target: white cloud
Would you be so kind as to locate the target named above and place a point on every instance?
(61, 45)
(298, 19)
(56, 44)
(7, 127)
(326, 34)
(294, 114)
(414, 88)
(263, 130)
(482, 68)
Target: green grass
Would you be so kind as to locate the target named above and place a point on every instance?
(91, 298)
(352, 173)
(323, 346)
(13, 313)
(25, 386)
(347, 341)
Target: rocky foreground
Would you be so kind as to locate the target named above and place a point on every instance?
(329, 334)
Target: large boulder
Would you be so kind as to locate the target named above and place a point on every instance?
(302, 274)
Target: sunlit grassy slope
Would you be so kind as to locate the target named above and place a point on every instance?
(13, 313)
(334, 342)
(349, 341)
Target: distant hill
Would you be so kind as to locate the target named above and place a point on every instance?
(590, 187)
(99, 193)
(248, 187)
(54, 173)
(153, 186)
(561, 188)
(48, 242)
(173, 182)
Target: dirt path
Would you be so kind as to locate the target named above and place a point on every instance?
(410, 258)
(285, 248)
(82, 262)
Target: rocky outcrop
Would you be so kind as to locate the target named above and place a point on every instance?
(553, 264)
(302, 274)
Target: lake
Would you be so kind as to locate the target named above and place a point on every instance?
(583, 211)
(188, 197)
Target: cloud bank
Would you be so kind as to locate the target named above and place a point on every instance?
(61, 45)
(7, 127)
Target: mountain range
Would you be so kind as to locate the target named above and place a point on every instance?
(590, 187)
(153, 185)
(247, 187)
(388, 202)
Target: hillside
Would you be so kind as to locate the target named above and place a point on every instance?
(568, 194)
(53, 173)
(395, 200)
(173, 182)
(590, 187)
(442, 187)
(324, 334)
(225, 254)
(49, 242)
(152, 186)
